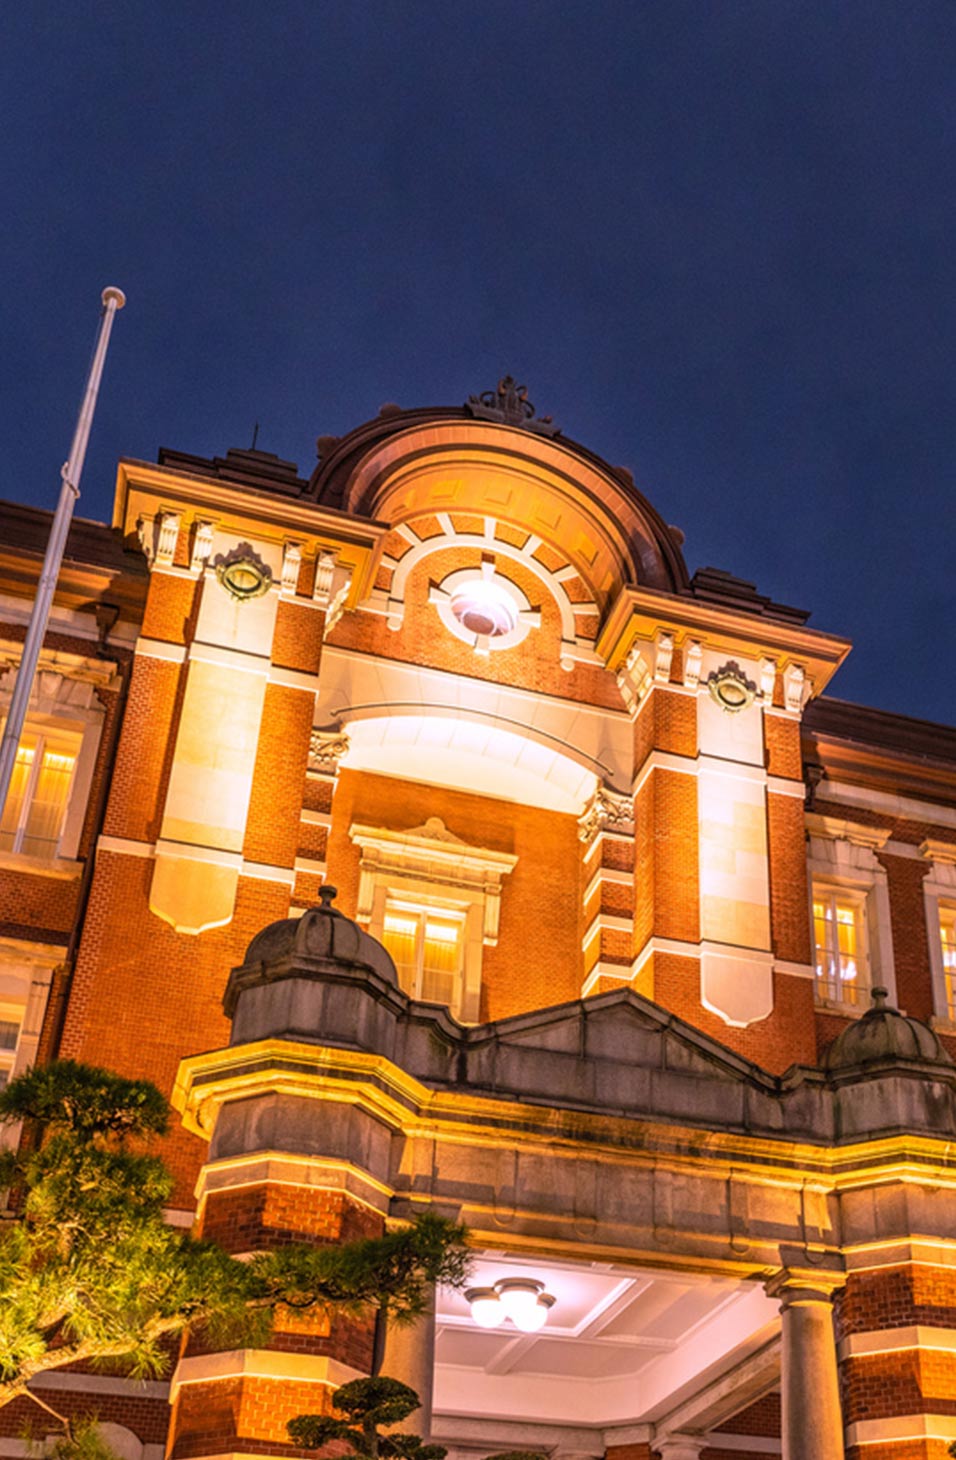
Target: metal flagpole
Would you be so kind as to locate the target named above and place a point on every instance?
(113, 299)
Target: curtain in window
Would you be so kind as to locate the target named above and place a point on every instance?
(441, 961)
(836, 935)
(400, 937)
(18, 786)
(48, 806)
(947, 932)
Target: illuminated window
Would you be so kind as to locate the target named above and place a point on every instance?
(427, 945)
(39, 791)
(947, 937)
(839, 936)
(9, 1036)
(434, 902)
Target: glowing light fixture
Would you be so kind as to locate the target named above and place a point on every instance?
(486, 1307)
(484, 608)
(523, 1300)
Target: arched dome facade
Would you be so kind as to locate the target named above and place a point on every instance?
(407, 464)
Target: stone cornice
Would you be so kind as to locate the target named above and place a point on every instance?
(643, 613)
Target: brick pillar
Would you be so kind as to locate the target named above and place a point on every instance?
(239, 1402)
(288, 1162)
(607, 831)
(896, 1328)
(666, 834)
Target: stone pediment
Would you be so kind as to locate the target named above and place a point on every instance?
(621, 1025)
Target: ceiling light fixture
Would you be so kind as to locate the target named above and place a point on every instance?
(486, 1307)
(523, 1300)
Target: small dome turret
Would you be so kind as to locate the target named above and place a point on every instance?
(321, 940)
(884, 1035)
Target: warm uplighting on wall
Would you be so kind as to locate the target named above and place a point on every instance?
(523, 1300)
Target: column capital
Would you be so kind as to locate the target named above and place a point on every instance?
(802, 1286)
(679, 1447)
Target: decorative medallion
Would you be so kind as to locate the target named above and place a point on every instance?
(243, 574)
(731, 689)
(509, 405)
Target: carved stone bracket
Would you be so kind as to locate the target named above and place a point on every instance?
(332, 583)
(158, 536)
(608, 811)
(326, 749)
(291, 562)
(634, 678)
(202, 545)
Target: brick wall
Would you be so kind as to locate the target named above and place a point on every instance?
(422, 639)
(248, 1411)
(786, 1037)
(278, 781)
(907, 1381)
(789, 889)
(144, 995)
(542, 893)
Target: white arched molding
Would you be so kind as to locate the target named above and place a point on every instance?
(431, 865)
(575, 647)
(939, 896)
(842, 856)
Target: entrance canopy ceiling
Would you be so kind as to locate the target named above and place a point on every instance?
(620, 1346)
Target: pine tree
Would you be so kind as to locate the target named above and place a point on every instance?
(366, 1407)
(90, 1271)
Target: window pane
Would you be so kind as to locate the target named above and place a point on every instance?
(840, 968)
(9, 1030)
(400, 937)
(441, 961)
(18, 785)
(947, 933)
(45, 817)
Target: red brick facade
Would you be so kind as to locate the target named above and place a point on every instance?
(600, 694)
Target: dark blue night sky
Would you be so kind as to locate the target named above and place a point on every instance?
(715, 237)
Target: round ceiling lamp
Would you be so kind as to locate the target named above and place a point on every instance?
(522, 1300)
(484, 608)
(486, 1307)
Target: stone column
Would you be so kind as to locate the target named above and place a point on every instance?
(680, 1447)
(812, 1424)
(410, 1357)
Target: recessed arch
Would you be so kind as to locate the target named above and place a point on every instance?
(475, 751)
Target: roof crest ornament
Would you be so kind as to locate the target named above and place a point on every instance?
(509, 406)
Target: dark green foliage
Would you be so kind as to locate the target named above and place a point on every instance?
(79, 1439)
(88, 1267)
(395, 1271)
(90, 1271)
(366, 1405)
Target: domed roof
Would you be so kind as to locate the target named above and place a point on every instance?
(321, 934)
(883, 1034)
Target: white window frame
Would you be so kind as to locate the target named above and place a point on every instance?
(420, 908)
(429, 866)
(855, 898)
(63, 701)
(939, 895)
(40, 735)
(26, 971)
(842, 859)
